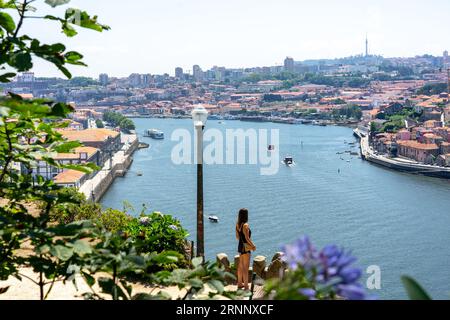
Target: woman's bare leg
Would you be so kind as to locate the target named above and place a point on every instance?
(239, 272)
(245, 265)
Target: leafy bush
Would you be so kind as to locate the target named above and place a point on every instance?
(114, 220)
(77, 209)
(157, 232)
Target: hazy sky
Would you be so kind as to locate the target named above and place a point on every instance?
(156, 36)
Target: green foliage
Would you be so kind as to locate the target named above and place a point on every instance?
(99, 124)
(403, 71)
(202, 281)
(414, 289)
(352, 81)
(114, 220)
(77, 209)
(127, 125)
(43, 216)
(17, 50)
(82, 82)
(118, 120)
(347, 112)
(432, 89)
(116, 255)
(159, 232)
(374, 127)
(27, 136)
(289, 287)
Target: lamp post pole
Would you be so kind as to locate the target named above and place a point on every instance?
(200, 116)
(200, 227)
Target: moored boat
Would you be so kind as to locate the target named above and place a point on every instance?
(154, 133)
(213, 218)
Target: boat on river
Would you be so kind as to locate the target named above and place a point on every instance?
(154, 134)
(214, 219)
(289, 161)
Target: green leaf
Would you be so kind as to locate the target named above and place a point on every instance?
(196, 283)
(108, 286)
(61, 110)
(64, 71)
(196, 262)
(68, 146)
(21, 61)
(86, 168)
(74, 57)
(82, 247)
(7, 23)
(62, 252)
(7, 77)
(69, 30)
(55, 3)
(3, 290)
(90, 280)
(84, 20)
(216, 284)
(4, 112)
(414, 289)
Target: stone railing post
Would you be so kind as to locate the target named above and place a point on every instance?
(277, 267)
(259, 266)
(222, 260)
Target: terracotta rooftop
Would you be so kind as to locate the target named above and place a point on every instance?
(418, 145)
(89, 135)
(69, 176)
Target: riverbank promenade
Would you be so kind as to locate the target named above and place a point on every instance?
(400, 164)
(96, 187)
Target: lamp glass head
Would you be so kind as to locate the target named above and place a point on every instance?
(199, 115)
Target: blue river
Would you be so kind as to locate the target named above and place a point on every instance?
(397, 221)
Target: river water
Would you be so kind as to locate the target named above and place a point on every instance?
(397, 221)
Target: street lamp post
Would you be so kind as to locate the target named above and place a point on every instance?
(200, 116)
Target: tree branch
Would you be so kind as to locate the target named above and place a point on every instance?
(21, 12)
(25, 276)
(10, 150)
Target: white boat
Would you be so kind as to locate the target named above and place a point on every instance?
(154, 133)
(213, 218)
(289, 161)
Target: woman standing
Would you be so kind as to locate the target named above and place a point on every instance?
(245, 246)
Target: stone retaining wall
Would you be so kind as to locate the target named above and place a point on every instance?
(118, 170)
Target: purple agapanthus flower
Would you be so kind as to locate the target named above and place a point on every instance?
(301, 252)
(333, 267)
(308, 292)
(173, 227)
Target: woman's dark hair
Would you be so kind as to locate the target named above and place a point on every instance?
(242, 217)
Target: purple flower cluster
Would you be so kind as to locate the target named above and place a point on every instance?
(332, 266)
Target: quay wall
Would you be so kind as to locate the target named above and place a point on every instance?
(422, 169)
(118, 170)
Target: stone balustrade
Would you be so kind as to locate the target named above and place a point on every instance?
(275, 269)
